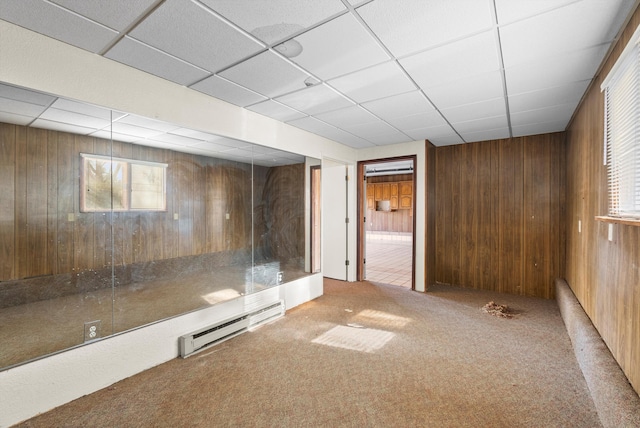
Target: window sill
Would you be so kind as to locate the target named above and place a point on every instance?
(619, 220)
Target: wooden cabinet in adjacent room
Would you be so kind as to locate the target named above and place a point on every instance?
(406, 195)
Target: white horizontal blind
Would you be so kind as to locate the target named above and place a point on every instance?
(622, 135)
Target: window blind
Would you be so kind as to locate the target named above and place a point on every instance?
(622, 134)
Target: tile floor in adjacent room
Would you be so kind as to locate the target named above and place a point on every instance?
(389, 258)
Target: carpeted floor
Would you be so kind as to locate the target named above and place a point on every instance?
(361, 355)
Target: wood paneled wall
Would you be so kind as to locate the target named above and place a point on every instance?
(43, 232)
(604, 275)
(392, 221)
(499, 214)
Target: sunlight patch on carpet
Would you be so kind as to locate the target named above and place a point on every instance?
(382, 318)
(221, 295)
(354, 338)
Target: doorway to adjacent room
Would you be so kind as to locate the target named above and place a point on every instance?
(386, 207)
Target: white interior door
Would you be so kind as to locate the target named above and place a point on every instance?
(334, 214)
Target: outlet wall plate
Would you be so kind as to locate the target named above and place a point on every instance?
(92, 330)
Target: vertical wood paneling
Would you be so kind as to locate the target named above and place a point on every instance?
(604, 275)
(7, 198)
(65, 202)
(84, 245)
(498, 205)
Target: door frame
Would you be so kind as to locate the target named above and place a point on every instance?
(361, 202)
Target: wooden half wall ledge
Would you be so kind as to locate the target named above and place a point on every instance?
(617, 404)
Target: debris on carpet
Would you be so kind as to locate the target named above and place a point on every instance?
(494, 309)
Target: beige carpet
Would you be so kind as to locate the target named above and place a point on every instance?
(364, 355)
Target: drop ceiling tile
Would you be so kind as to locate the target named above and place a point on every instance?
(87, 109)
(554, 71)
(376, 132)
(151, 124)
(146, 58)
(574, 27)
(470, 90)
(314, 100)
(559, 113)
(198, 135)
(133, 130)
(276, 110)
(16, 119)
(354, 115)
(399, 105)
(538, 128)
(178, 140)
(190, 32)
(62, 127)
(419, 24)
(565, 94)
(376, 82)
(77, 119)
(446, 140)
(325, 130)
(158, 145)
(509, 11)
(227, 91)
(454, 61)
(485, 124)
(479, 110)
(274, 21)
(116, 14)
(417, 121)
(491, 134)
(433, 132)
(338, 47)
(25, 95)
(20, 108)
(267, 74)
(58, 23)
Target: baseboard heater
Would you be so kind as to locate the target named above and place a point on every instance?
(206, 337)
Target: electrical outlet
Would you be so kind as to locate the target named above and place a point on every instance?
(280, 277)
(92, 330)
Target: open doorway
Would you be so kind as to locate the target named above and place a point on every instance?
(386, 229)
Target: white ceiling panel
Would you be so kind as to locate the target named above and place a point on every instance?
(133, 130)
(199, 135)
(276, 111)
(566, 94)
(150, 124)
(274, 21)
(21, 108)
(354, 115)
(24, 95)
(115, 14)
(399, 105)
(87, 109)
(473, 89)
(491, 134)
(76, 119)
(446, 140)
(338, 47)
(227, 91)
(190, 32)
(268, 74)
(370, 130)
(509, 11)
(548, 114)
(486, 124)
(58, 23)
(178, 140)
(554, 71)
(432, 132)
(61, 126)
(480, 110)
(538, 128)
(151, 60)
(417, 121)
(316, 99)
(567, 29)
(379, 81)
(417, 24)
(454, 61)
(16, 119)
(323, 129)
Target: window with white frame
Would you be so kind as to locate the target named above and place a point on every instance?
(117, 184)
(622, 132)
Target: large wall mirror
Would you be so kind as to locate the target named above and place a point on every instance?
(111, 221)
